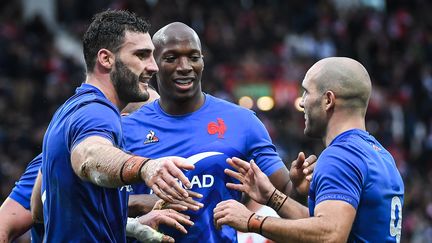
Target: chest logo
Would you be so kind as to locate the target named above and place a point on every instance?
(151, 138)
(219, 128)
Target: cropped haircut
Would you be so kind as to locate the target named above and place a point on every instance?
(107, 30)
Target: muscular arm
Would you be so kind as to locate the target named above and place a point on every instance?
(96, 159)
(15, 220)
(332, 223)
(36, 200)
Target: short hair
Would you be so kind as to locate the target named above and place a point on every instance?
(107, 30)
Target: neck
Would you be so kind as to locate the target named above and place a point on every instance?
(104, 84)
(181, 107)
(342, 123)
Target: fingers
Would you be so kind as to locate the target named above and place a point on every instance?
(300, 160)
(255, 169)
(234, 174)
(172, 223)
(175, 219)
(182, 163)
(309, 164)
(237, 187)
(239, 164)
(181, 218)
(171, 186)
(177, 173)
(194, 194)
(167, 238)
(161, 194)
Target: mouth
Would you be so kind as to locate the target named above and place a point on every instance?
(184, 83)
(145, 80)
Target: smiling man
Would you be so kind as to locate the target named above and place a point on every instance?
(189, 123)
(83, 164)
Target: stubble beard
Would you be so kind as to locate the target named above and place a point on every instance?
(126, 84)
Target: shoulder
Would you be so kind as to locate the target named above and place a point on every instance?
(227, 106)
(142, 114)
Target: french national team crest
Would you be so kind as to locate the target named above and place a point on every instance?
(151, 138)
(219, 127)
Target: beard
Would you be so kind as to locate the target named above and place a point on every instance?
(316, 124)
(126, 84)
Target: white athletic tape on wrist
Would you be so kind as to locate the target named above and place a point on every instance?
(143, 233)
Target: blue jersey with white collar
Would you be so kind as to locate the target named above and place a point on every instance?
(77, 210)
(206, 137)
(355, 168)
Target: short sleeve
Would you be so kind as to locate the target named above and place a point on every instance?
(94, 119)
(22, 191)
(339, 175)
(261, 148)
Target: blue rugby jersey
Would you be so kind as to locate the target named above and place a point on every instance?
(355, 168)
(22, 191)
(207, 137)
(77, 210)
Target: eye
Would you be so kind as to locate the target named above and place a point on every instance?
(143, 54)
(195, 58)
(169, 59)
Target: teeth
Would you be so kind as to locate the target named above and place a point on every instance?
(183, 81)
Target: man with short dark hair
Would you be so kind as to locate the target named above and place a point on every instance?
(84, 165)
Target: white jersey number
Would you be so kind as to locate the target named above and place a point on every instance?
(396, 223)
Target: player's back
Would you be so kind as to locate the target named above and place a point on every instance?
(77, 210)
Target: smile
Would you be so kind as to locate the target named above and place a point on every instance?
(183, 81)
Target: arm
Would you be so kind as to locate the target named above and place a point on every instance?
(332, 222)
(15, 220)
(258, 186)
(95, 159)
(36, 200)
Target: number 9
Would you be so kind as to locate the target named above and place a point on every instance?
(395, 230)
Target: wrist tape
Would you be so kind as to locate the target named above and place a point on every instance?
(130, 171)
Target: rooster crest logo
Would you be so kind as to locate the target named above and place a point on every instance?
(151, 137)
(219, 128)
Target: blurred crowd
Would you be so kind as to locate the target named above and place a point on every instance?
(245, 43)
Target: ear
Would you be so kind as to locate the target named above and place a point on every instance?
(329, 100)
(105, 58)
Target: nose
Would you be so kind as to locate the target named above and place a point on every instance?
(151, 66)
(301, 104)
(184, 65)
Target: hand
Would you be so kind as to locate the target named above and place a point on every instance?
(167, 217)
(253, 181)
(144, 233)
(162, 174)
(188, 203)
(231, 213)
(301, 172)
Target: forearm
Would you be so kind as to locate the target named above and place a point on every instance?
(314, 229)
(141, 204)
(293, 210)
(97, 160)
(36, 200)
(15, 220)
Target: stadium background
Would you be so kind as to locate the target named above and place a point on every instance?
(251, 47)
